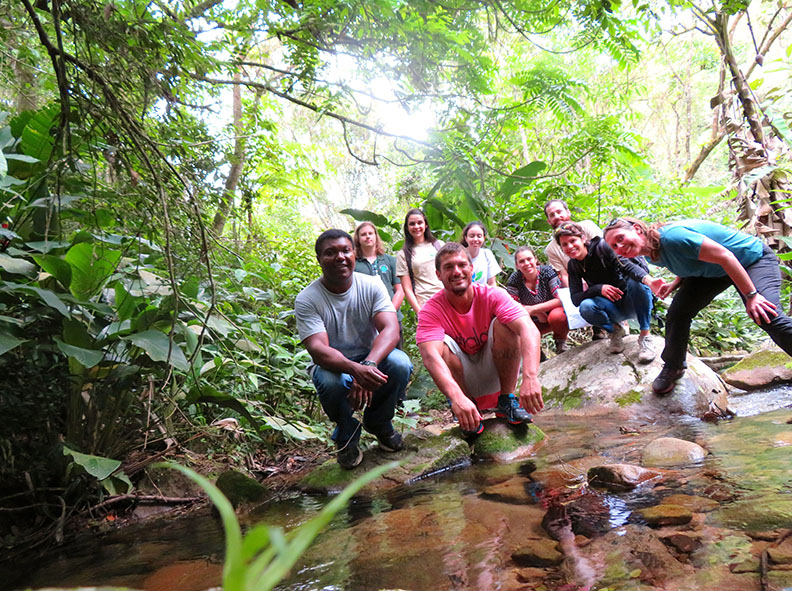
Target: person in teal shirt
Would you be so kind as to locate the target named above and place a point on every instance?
(706, 258)
(372, 260)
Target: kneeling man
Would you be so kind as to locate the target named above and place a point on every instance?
(349, 326)
(472, 338)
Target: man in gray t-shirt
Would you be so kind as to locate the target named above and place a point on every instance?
(349, 326)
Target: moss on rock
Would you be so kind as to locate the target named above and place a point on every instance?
(628, 398)
(240, 488)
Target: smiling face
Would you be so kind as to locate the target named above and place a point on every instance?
(574, 247)
(556, 214)
(337, 260)
(526, 264)
(456, 272)
(475, 239)
(626, 242)
(416, 226)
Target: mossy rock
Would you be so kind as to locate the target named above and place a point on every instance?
(589, 380)
(503, 442)
(762, 368)
(424, 454)
(239, 488)
(755, 514)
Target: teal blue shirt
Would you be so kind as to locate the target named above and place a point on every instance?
(680, 245)
(383, 267)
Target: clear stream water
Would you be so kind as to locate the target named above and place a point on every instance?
(457, 530)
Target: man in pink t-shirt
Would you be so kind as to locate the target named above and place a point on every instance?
(472, 339)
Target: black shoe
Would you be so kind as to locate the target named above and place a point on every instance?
(666, 379)
(471, 434)
(509, 408)
(349, 455)
(391, 442)
(599, 334)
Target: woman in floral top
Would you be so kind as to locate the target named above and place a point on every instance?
(536, 287)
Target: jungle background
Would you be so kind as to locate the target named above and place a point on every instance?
(166, 166)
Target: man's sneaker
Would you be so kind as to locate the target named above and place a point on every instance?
(349, 455)
(391, 442)
(666, 379)
(598, 333)
(470, 434)
(509, 408)
(616, 344)
(645, 352)
(561, 346)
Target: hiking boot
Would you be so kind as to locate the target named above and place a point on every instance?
(349, 455)
(391, 442)
(616, 344)
(509, 408)
(598, 333)
(645, 352)
(470, 434)
(561, 346)
(666, 379)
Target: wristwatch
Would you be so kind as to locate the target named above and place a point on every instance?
(751, 294)
(369, 363)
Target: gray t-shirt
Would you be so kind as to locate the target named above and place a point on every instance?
(347, 318)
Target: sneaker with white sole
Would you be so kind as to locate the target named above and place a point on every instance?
(616, 343)
(646, 353)
(509, 408)
(349, 455)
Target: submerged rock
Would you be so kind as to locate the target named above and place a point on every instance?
(669, 451)
(588, 379)
(764, 367)
(666, 515)
(691, 502)
(755, 514)
(620, 477)
(542, 552)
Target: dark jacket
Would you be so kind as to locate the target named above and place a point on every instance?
(601, 267)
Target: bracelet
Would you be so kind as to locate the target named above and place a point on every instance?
(369, 363)
(751, 294)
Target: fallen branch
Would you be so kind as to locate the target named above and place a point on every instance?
(146, 499)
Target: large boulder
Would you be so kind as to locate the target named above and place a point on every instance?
(503, 442)
(670, 451)
(588, 379)
(769, 365)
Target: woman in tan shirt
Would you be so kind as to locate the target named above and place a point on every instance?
(415, 261)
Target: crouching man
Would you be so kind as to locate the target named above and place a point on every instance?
(348, 325)
(472, 339)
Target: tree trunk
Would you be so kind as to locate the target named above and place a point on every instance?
(237, 161)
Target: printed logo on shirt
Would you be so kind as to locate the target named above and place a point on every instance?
(477, 276)
(472, 344)
(383, 269)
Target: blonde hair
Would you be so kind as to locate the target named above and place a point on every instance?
(378, 248)
(650, 232)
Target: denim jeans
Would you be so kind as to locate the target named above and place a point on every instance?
(333, 389)
(635, 303)
(695, 293)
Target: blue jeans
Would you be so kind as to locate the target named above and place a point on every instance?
(333, 389)
(635, 303)
(695, 293)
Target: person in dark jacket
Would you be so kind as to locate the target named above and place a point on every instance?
(615, 289)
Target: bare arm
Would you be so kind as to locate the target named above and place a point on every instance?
(463, 407)
(398, 296)
(530, 389)
(409, 294)
(492, 282)
(758, 308)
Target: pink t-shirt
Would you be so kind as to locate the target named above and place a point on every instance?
(438, 318)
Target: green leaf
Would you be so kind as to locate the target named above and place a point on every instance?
(156, 345)
(17, 266)
(8, 342)
(3, 165)
(211, 395)
(91, 265)
(46, 295)
(86, 357)
(521, 178)
(97, 466)
(294, 429)
(55, 266)
(125, 302)
(21, 158)
(363, 215)
(36, 139)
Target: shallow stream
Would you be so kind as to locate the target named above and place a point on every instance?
(460, 529)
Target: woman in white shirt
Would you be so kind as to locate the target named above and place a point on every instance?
(415, 261)
(485, 267)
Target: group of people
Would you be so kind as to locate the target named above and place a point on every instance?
(477, 340)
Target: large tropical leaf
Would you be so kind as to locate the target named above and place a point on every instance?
(91, 265)
(521, 178)
(158, 347)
